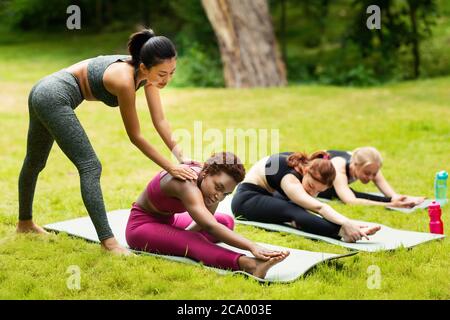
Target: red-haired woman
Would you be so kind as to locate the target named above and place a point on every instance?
(298, 178)
(178, 217)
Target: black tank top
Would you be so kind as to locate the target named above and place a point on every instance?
(347, 157)
(277, 168)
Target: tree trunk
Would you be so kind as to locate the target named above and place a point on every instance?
(415, 39)
(283, 30)
(247, 43)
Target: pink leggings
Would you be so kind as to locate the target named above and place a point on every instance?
(166, 235)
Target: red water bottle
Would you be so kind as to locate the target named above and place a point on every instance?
(434, 211)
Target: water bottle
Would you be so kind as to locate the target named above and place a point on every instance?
(440, 186)
(436, 224)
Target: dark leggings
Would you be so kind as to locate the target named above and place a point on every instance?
(51, 105)
(331, 194)
(257, 204)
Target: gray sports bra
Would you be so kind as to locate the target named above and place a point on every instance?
(95, 70)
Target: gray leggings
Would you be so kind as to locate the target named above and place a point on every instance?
(51, 105)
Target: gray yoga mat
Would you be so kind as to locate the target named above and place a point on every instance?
(385, 239)
(422, 206)
(293, 267)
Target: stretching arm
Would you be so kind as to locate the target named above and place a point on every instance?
(296, 193)
(347, 196)
(192, 199)
(160, 122)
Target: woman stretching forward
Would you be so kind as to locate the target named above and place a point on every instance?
(298, 179)
(177, 217)
(363, 164)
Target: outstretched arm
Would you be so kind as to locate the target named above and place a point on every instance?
(160, 122)
(192, 199)
(126, 98)
(382, 185)
(350, 230)
(296, 193)
(347, 196)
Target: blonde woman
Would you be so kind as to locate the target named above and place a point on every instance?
(363, 164)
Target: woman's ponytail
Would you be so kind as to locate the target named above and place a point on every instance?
(151, 50)
(136, 42)
(318, 164)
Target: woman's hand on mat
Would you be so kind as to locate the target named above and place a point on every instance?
(416, 200)
(111, 245)
(182, 172)
(401, 201)
(265, 254)
(352, 232)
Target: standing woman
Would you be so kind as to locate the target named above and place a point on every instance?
(112, 79)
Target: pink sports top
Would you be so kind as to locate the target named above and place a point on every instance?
(161, 201)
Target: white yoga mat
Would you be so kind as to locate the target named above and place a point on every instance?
(385, 239)
(293, 267)
(422, 206)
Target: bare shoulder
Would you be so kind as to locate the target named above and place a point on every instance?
(339, 164)
(119, 77)
(178, 188)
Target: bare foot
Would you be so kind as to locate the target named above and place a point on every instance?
(111, 245)
(28, 226)
(263, 266)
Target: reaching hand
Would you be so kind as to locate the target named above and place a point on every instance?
(416, 200)
(182, 172)
(401, 201)
(265, 254)
(352, 231)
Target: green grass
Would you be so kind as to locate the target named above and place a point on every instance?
(408, 122)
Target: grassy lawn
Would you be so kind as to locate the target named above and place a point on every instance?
(407, 122)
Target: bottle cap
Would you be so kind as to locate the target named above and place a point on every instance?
(434, 205)
(442, 174)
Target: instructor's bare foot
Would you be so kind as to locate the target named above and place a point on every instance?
(263, 266)
(28, 226)
(111, 245)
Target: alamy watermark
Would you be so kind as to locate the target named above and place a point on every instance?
(73, 282)
(74, 20)
(374, 279)
(374, 20)
(250, 144)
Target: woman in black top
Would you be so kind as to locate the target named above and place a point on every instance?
(363, 164)
(298, 179)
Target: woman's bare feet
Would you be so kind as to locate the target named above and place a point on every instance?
(259, 268)
(111, 245)
(28, 226)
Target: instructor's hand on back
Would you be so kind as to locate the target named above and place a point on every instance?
(182, 172)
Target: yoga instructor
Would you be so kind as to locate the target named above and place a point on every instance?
(112, 79)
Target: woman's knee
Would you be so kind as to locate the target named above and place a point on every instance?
(93, 166)
(225, 219)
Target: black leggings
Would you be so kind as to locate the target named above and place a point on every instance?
(51, 106)
(331, 194)
(257, 204)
